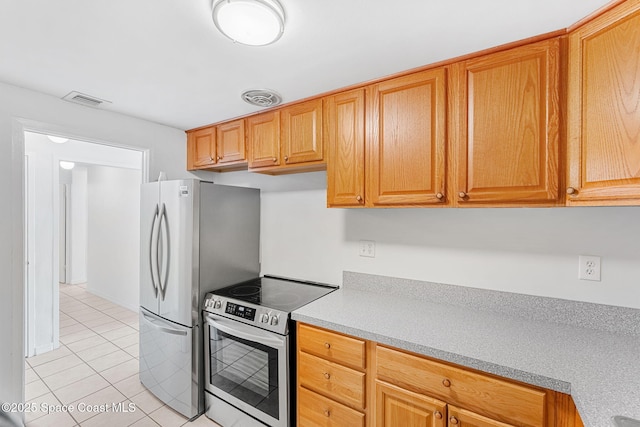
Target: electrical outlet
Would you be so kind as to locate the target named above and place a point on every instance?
(367, 248)
(589, 267)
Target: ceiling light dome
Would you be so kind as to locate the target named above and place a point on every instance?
(250, 22)
(57, 139)
(66, 165)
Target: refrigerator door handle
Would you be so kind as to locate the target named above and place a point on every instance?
(155, 324)
(153, 227)
(163, 251)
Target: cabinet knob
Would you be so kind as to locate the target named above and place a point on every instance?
(286, 158)
(327, 345)
(327, 413)
(446, 382)
(439, 196)
(359, 198)
(462, 194)
(219, 157)
(453, 420)
(572, 191)
(327, 375)
(438, 415)
(274, 159)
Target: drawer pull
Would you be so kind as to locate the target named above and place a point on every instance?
(446, 383)
(327, 413)
(453, 420)
(327, 375)
(438, 415)
(327, 345)
(274, 159)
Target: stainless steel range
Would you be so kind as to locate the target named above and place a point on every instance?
(250, 350)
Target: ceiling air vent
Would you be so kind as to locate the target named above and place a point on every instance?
(84, 99)
(262, 97)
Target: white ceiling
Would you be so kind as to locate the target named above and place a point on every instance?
(163, 60)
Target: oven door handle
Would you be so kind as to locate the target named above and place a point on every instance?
(239, 330)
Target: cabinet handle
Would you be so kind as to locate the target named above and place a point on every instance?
(439, 196)
(572, 191)
(446, 382)
(359, 198)
(327, 345)
(327, 413)
(438, 415)
(327, 375)
(462, 194)
(274, 159)
(286, 158)
(453, 420)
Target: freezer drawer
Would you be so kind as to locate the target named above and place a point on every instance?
(170, 363)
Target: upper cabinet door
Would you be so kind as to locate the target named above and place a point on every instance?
(231, 142)
(604, 109)
(201, 148)
(509, 126)
(264, 139)
(407, 137)
(344, 119)
(302, 133)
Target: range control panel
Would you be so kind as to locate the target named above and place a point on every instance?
(255, 315)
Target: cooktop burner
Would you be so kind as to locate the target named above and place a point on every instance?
(277, 293)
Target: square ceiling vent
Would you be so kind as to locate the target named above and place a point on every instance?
(84, 99)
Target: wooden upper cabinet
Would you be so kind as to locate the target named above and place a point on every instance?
(604, 109)
(201, 148)
(508, 126)
(344, 120)
(231, 147)
(302, 132)
(398, 407)
(264, 139)
(407, 136)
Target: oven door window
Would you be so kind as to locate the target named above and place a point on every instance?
(246, 370)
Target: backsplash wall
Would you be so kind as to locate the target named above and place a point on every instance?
(529, 251)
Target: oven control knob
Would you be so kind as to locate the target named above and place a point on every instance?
(217, 304)
(274, 320)
(265, 318)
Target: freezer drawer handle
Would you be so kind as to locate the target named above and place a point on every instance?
(155, 324)
(153, 227)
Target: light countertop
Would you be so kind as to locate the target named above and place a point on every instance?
(599, 369)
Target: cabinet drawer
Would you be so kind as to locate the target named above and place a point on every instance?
(332, 346)
(489, 396)
(315, 410)
(342, 384)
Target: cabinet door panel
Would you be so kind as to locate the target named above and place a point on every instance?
(604, 109)
(511, 122)
(398, 407)
(407, 122)
(231, 142)
(462, 418)
(302, 133)
(345, 138)
(202, 148)
(264, 139)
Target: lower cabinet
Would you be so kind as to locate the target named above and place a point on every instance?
(348, 381)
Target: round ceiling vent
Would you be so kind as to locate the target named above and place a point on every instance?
(262, 97)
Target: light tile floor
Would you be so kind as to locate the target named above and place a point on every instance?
(95, 367)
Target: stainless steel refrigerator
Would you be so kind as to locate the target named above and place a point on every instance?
(196, 237)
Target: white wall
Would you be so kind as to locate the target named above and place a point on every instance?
(530, 251)
(78, 227)
(24, 109)
(113, 250)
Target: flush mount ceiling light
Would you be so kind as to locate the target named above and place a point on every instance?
(57, 139)
(66, 165)
(250, 22)
(262, 97)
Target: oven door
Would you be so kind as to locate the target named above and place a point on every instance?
(247, 367)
